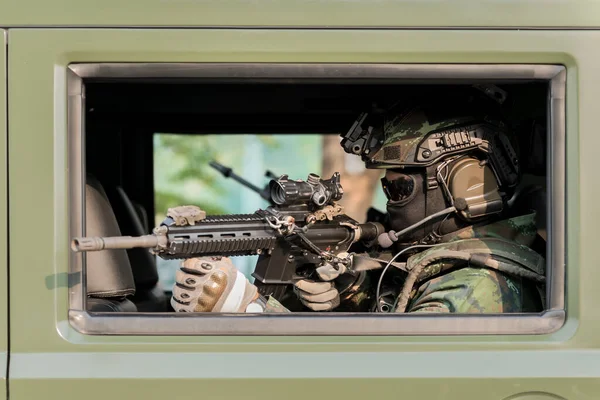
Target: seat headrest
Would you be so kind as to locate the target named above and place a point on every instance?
(108, 272)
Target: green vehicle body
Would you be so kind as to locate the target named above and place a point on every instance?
(42, 355)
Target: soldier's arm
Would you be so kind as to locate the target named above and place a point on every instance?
(474, 290)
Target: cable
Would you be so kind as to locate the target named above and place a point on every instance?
(416, 246)
(386, 239)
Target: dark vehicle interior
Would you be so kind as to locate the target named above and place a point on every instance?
(122, 117)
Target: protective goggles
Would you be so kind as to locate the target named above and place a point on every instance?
(398, 189)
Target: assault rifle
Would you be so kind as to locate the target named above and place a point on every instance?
(303, 230)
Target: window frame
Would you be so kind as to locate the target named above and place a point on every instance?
(300, 324)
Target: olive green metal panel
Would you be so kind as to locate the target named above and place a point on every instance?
(48, 358)
(302, 13)
(3, 221)
(300, 389)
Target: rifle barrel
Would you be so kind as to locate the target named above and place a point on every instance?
(97, 243)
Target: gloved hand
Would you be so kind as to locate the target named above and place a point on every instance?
(213, 284)
(320, 295)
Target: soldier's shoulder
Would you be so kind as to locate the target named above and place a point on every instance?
(471, 290)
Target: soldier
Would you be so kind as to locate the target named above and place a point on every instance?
(451, 167)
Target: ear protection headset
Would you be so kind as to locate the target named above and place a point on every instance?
(475, 183)
(475, 186)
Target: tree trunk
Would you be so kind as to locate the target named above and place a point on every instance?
(358, 182)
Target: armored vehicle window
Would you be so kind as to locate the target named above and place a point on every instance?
(404, 200)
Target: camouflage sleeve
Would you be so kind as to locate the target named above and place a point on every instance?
(273, 306)
(475, 290)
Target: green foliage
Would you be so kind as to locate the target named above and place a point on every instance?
(195, 150)
(181, 160)
(182, 171)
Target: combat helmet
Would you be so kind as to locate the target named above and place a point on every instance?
(423, 131)
(457, 137)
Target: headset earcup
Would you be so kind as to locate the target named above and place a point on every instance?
(475, 189)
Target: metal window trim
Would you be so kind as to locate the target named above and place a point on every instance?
(171, 324)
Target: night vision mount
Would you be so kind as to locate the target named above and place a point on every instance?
(363, 138)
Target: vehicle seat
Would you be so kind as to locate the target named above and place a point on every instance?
(150, 296)
(109, 279)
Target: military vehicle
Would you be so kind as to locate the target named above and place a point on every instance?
(85, 87)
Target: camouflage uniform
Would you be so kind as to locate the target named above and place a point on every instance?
(482, 290)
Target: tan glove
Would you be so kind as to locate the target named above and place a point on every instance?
(320, 295)
(212, 284)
